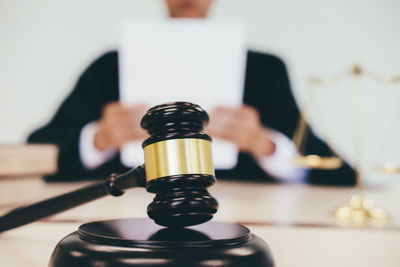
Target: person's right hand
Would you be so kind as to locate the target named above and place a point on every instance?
(119, 124)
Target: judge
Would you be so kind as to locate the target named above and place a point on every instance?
(91, 125)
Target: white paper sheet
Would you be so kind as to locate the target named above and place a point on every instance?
(199, 61)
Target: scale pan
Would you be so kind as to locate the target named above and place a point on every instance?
(318, 162)
(388, 167)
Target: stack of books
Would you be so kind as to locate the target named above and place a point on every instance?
(27, 160)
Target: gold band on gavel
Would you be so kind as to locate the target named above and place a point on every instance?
(178, 156)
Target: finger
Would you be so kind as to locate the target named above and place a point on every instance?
(111, 108)
(130, 118)
(127, 125)
(238, 131)
(251, 112)
(241, 113)
(222, 119)
(224, 129)
(224, 111)
(118, 109)
(136, 135)
(123, 135)
(138, 108)
(129, 115)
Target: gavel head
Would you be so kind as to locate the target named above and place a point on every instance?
(178, 165)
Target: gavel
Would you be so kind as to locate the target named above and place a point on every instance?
(178, 168)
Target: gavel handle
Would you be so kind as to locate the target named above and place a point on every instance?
(113, 186)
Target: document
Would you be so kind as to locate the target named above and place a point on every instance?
(194, 60)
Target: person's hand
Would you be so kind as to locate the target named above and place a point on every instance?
(119, 124)
(241, 126)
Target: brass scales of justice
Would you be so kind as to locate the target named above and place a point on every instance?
(360, 210)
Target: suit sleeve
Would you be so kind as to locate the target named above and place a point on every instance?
(83, 105)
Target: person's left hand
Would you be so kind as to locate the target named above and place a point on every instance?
(241, 126)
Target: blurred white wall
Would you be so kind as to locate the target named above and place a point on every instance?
(46, 44)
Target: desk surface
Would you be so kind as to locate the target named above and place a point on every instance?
(295, 220)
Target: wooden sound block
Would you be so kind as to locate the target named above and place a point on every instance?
(141, 242)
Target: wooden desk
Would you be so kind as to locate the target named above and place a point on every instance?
(295, 220)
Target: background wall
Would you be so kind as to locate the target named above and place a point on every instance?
(46, 44)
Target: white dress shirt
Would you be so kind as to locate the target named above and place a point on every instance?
(277, 164)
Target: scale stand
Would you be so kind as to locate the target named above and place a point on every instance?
(360, 210)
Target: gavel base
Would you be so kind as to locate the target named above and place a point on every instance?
(141, 242)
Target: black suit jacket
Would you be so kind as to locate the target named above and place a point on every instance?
(267, 88)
